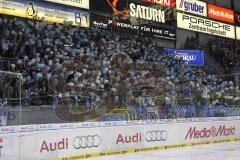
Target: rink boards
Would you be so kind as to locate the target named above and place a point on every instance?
(72, 141)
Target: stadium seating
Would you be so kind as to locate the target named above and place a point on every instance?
(61, 62)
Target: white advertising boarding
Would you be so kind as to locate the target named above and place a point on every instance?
(204, 25)
(238, 33)
(192, 6)
(78, 143)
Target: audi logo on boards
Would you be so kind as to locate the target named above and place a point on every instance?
(89, 141)
(153, 136)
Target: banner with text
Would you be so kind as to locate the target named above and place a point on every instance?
(46, 12)
(204, 25)
(138, 12)
(192, 6)
(220, 13)
(125, 26)
(191, 57)
(101, 21)
(131, 136)
(198, 132)
(162, 3)
(75, 3)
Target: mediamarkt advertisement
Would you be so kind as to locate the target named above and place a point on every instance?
(75, 3)
(213, 131)
(204, 25)
(45, 11)
(220, 13)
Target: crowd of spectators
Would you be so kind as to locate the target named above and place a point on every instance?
(226, 52)
(61, 61)
(191, 43)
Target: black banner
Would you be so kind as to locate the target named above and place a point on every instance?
(158, 32)
(124, 26)
(136, 11)
(101, 21)
(108, 5)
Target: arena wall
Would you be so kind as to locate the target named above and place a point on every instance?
(94, 139)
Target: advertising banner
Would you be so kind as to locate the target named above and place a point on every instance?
(123, 138)
(203, 25)
(53, 144)
(158, 32)
(162, 3)
(220, 13)
(108, 5)
(46, 12)
(9, 146)
(80, 143)
(134, 11)
(238, 33)
(121, 6)
(192, 6)
(160, 135)
(101, 21)
(145, 30)
(191, 57)
(75, 3)
(200, 132)
(126, 27)
(145, 12)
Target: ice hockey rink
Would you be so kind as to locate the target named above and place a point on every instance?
(222, 151)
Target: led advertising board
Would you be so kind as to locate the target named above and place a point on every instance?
(204, 25)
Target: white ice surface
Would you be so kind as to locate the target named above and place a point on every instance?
(223, 151)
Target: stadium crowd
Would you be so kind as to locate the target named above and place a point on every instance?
(226, 53)
(60, 62)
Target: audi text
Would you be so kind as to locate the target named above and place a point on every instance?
(55, 146)
(136, 138)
